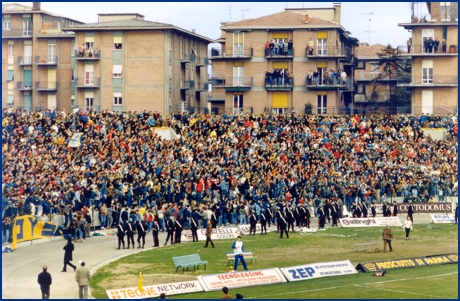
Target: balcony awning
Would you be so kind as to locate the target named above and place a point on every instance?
(10, 75)
(10, 100)
(117, 69)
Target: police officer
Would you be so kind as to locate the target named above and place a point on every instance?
(155, 231)
(170, 229)
(384, 209)
(307, 216)
(410, 211)
(373, 211)
(130, 233)
(290, 219)
(395, 209)
(269, 214)
(334, 213)
(321, 217)
(252, 223)
(364, 208)
(263, 223)
(179, 226)
(281, 222)
(121, 235)
(194, 228)
(141, 232)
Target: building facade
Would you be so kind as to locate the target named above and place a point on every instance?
(36, 58)
(125, 63)
(434, 78)
(310, 45)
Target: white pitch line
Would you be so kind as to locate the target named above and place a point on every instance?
(335, 287)
(402, 292)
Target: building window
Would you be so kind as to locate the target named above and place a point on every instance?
(238, 43)
(446, 13)
(72, 101)
(72, 50)
(117, 46)
(10, 50)
(322, 46)
(375, 67)
(321, 104)
(117, 99)
(27, 27)
(72, 75)
(10, 76)
(238, 76)
(237, 104)
(117, 71)
(51, 53)
(89, 78)
(427, 77)
(89, 101)
(6, 25)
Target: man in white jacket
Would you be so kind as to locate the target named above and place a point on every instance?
(238, 247)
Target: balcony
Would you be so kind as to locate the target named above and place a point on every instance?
(200, 87)
(185, 59)
(94, 82)
(185, 85)
(16, 33)
(269, 54)
(231, 53)
(432, 18)
(419, 50)
(420, 82)
(24, 86)
(370, 76)
(283, 85)
(201, 62)
(47, 60)
(325, 52)
(216, 96)
(237, 84)
(46, 86)
(25, 60)
(324, 84)
(88, 55)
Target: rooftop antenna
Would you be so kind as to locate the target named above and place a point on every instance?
(230, 11)
(369, 31)
(243, 10)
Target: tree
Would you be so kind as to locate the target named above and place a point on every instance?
(393, 66)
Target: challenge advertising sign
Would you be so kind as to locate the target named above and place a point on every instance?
(241, 279)
(151, 291)
(218, 233)
(442, 219)
(370, 222)
(318, 270)
(407, 262)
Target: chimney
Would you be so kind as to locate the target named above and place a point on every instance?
(337, 12)
(193, 30)
(306, 19)
(36, 6)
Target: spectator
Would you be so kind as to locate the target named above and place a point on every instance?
(83, 277)
(225, 293)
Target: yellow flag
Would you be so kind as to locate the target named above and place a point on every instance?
(139, 283)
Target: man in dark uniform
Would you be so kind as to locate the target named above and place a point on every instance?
(155, 231)
(263, 223)
(395, 209)
(410, 211)
(327, 210)
(364, 208)
(45, 280)
(290, 219)
(303, 216)
(269, 215)
(179, 226)
(130, 233)
(125, 216)
(321, 217)
(358, 212)
(68, 250)
(281, 222)
(214, 218)
(373, 211)
(334, 214)
(170, 229)
(456, 213)
(194, 228)
(384, 209)
(389, 210)
(298, 216)
(121, 235)
(141, 232)
(252, 223)
(387, 236)
(353, 209)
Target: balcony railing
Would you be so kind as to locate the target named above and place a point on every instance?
(237, 82)
(185, 58)
(88, 55)
(24, 86)
(201, 62)
(427, 18)
(369, 76)
(17, 33)
(46, 60)
(320, 81)
(418, 80)
(200, 86)
(185, 84)
(420, 49)
(216, 96)
(325, 52)
(93, 82)
(235, 52)
(25, 60)
(280, 84)
(275, 53)
(226, 112)
(46, 86)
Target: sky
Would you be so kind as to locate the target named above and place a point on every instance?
(205, 17)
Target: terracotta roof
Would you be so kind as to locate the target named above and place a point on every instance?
(284, 18)
(369, 50)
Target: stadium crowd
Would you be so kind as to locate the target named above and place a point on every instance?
(222, 168)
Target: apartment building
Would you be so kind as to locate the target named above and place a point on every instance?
(126, 63)
(434, 78)
(316, 43)
(35, 58)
